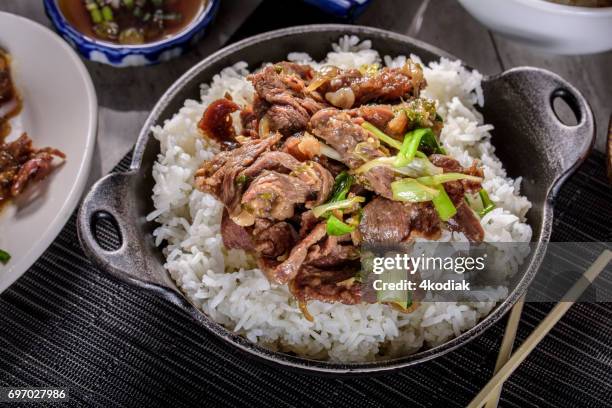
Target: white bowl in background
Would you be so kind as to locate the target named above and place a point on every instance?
(59, 110)
(548, 26)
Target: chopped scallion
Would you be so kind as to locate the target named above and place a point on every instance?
(392, 278)
(445, 178)
(336, 205)
(107, 13)
(412, 191)
(381, 135)
(411, 144)
(337, 227)
(443, 204)
(487, 204)
(416, 168)
(429, 142)
(96, 15)
(342, 185)
(4, 256)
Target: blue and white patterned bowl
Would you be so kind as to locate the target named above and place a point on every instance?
(131, 55)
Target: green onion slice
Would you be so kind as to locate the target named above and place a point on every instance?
(381, 135)
(399, 296)
(446, 177)
(337, 227)
(411, 144)
(487, 204)
(443, 204)
(336, 205)
(428, 140)
(416, 168)
(4, 256)
(342, 185)
(412, 191)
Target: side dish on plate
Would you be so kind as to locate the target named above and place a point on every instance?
(267, 189)
(20, 162)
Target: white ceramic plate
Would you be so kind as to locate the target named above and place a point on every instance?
(59, 110)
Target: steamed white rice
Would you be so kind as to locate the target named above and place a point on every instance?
(224, 285)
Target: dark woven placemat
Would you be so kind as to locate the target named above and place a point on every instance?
(67, 324)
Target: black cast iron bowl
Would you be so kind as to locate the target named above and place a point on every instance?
(529, 138)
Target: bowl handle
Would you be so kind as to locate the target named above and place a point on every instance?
(564, 147)
(112, 199)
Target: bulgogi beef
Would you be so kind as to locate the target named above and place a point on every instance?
(7, 91)
(348, 88)
(282, 99)
(10, 101)
(21, 163)
(219, 176)
(385, 221)
(277, 182)
(355, 146)
(330, 286)
(273, 239)
(235, 236)
(274, 195)
(465, 220)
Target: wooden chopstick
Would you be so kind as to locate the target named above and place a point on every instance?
(505, 349)
(542, 330)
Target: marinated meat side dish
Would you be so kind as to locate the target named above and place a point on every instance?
(326, 161)
(20, 162)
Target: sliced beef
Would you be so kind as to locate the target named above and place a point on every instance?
(338, 131)
(21, 163)
(216, 122)
(333, 166)
(337, 285)
(249, 121)
(313, 174)
(307, 222)
(456, 189)
(219, 176)
(467, 222)
(273, 239)
(391, 121)
(7, 91)
(318, 178)
(424, 220)
(447, 163)
(235, 236)
(332, 254)
(385, 221)
(281, 96)
(305, 72)
(379, 180)
(274, 195)
(387, 84)
(288, 269)
(451, 165)
(273, 160)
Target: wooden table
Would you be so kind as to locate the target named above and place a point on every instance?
(126, 95)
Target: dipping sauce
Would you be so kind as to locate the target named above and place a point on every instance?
(585, 3)
(131, 22)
